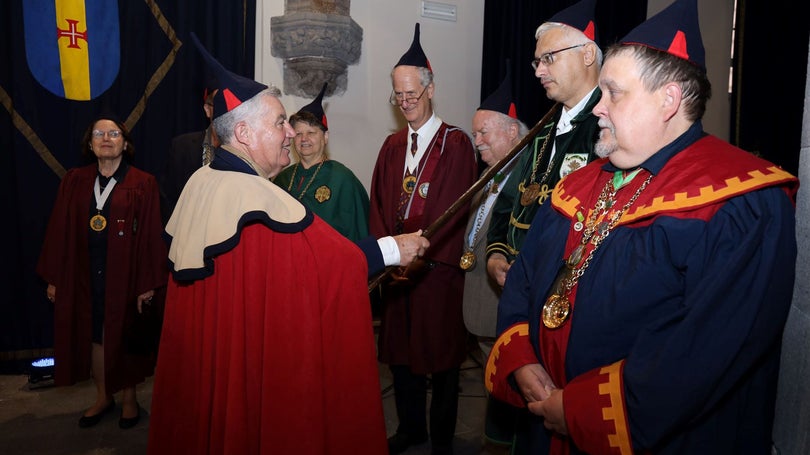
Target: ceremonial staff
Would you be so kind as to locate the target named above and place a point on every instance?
(465, 198)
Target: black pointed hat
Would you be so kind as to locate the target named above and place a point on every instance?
(581, 16)
(675, 30)
(501, 100)
(415, 56)
(316, 107)
(233, 89)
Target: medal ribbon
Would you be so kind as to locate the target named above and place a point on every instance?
(101, 198)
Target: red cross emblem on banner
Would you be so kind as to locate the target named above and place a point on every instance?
(72, 33)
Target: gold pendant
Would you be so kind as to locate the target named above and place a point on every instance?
(98, 223)
(530, 194)
(467, 261)
(408, 183)
(555, 311)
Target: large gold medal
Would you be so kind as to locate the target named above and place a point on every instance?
(98, 223)
(409, 183)
(467, 261)
(555, 311)
(530, 194)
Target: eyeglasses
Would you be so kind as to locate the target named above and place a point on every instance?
(114, 134)
(396, 98)
(548, 58)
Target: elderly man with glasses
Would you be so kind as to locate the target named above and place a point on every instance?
(421, 170)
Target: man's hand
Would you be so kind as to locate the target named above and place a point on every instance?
(534, 382)
(552, 411)
(497, 266)
(411, 246)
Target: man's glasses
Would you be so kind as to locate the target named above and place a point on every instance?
(114, 134)
(396, 98)
(548, 58)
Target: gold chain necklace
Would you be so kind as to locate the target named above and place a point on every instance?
(531, 193)
(558, 306)
(311, 179)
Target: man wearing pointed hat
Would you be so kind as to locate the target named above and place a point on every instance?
(420, 172)
(496, 130)
(647, 315)
(267, 343)
(567, 59)
(324, 185)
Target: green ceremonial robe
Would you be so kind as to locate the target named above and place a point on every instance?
(333, 192)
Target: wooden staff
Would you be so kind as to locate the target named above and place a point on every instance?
(480, 183)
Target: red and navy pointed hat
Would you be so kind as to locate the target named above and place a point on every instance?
(581, 16)
(316, 107)
(233, 89)
(675, 30)
(415, 56)
(501, 100)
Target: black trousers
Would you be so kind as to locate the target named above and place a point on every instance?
(410, 390)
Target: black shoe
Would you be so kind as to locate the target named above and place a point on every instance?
(89, 421)
(401, 441)
(441, 449)
(127, 423)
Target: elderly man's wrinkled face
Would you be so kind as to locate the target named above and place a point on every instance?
(493, 137)
(414, 100)
(272, 138)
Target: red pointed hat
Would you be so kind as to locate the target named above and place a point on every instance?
(581, 16)
(233, 89)
(675, 30)
(415, 56)
(316, 107)
(501, 100)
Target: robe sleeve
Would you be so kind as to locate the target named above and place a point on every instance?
(738, 276)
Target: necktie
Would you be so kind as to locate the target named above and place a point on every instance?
(414, 147)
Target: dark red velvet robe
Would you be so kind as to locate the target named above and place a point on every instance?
(136, 263)
(422, 325)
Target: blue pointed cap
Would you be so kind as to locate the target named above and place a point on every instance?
(233, 89)
(581, 16)
(675, 30)
(501, 100)
(316, 107)
(415, 56)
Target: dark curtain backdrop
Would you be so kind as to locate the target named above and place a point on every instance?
(770, 75)
(509, 27)
(158, 91)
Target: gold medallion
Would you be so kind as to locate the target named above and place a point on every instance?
(98, 223)
(530, 194)
(409, 183)
(555, 311)
(323, 194)
(467, 261)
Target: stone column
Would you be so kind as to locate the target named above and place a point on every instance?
(317, 40)
(791, 431)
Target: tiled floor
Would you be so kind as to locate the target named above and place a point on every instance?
(42, 421)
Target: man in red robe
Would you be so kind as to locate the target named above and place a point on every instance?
(421, 170)
(267, 345)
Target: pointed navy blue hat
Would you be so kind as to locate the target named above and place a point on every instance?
(581, 16)
(675, 30)
(415, 56)
(233, 89)
(316, 107)
(501, 99)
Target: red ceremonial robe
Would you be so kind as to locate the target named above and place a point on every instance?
(422, 325)
(267, 344)
(136, 263)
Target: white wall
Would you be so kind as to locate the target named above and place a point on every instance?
(361, 118)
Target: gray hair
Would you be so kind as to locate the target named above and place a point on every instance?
(572, 36)
(425, 75)
(249, 111)
(658, 68)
